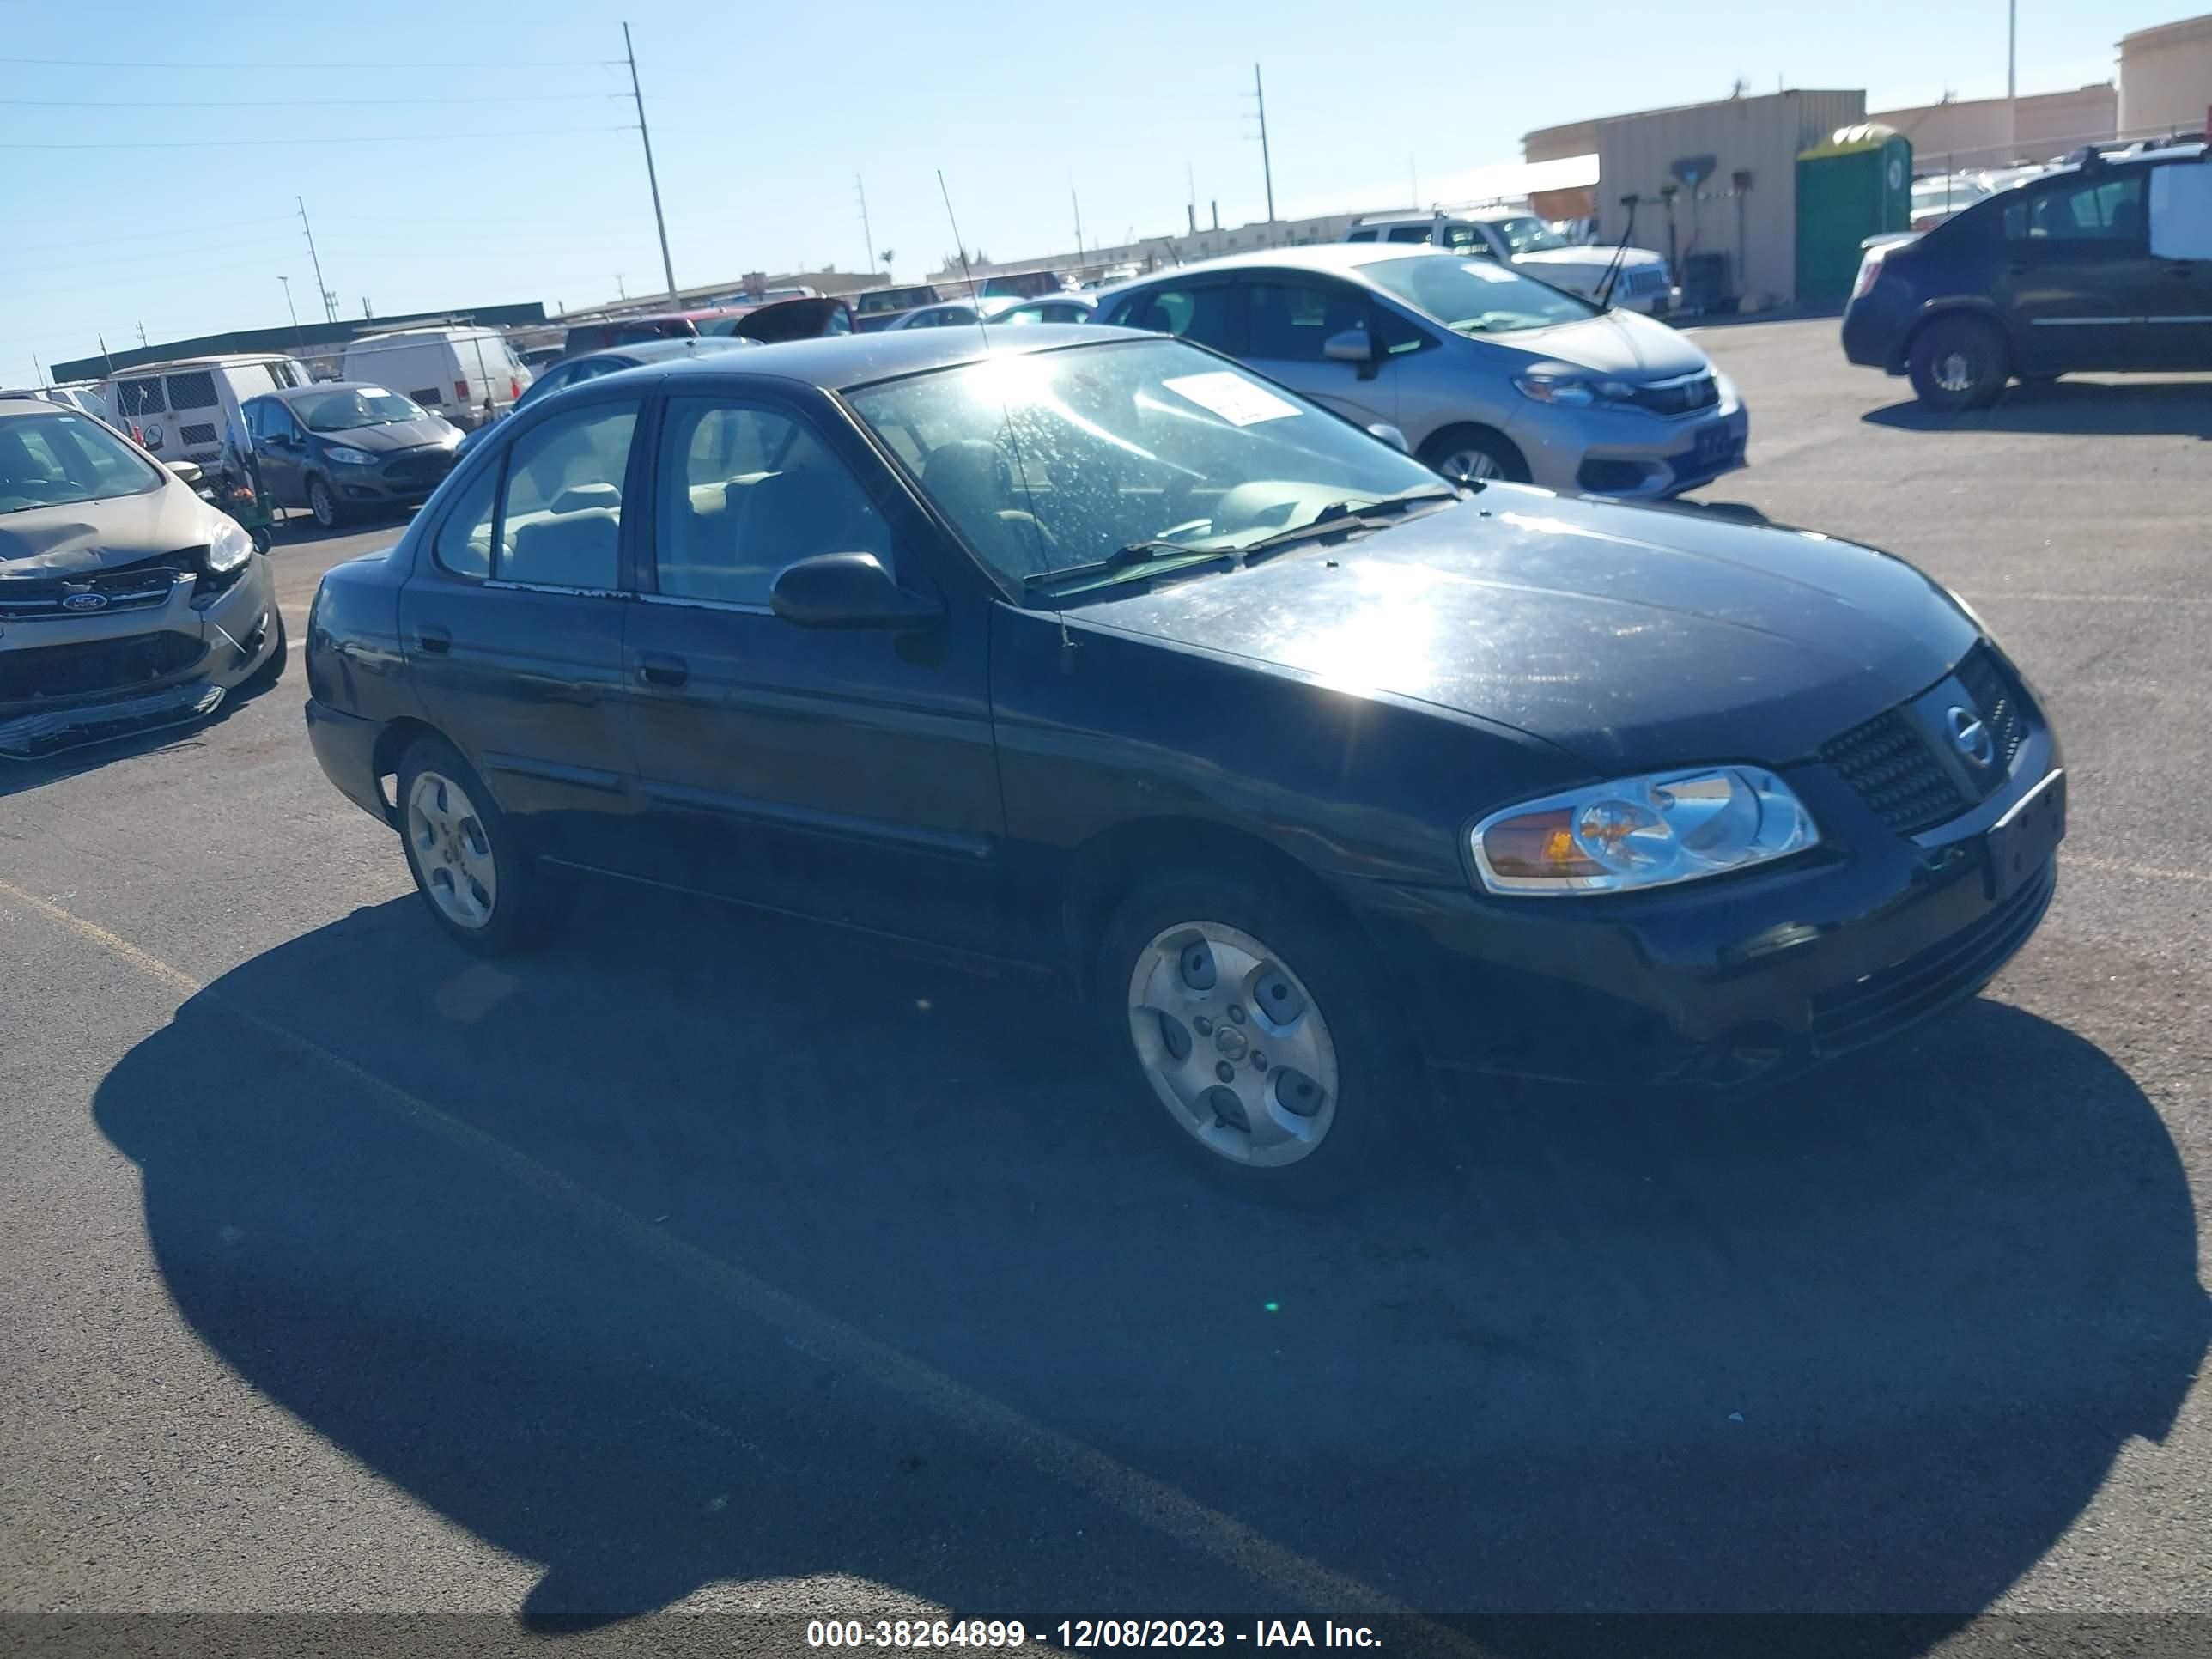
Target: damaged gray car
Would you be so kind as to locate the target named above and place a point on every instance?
(126, 602)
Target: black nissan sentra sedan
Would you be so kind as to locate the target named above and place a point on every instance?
(1092, 651)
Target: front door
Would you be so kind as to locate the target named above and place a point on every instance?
(847, 775)
(1288, 320)
(279, 448)
(513, 628)
(2082, 289)
(2181, 250)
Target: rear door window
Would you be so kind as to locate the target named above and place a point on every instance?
(561, 508)
(1211, 314)
(2103, 210)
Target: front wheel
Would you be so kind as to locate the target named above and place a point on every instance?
(323, 503)
(1467, 454)
(484, 890)
(1249, 1023)
(1958, 363)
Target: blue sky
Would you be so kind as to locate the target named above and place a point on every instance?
(490, 163)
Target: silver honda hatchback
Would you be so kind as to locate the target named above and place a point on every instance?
(1487, 374)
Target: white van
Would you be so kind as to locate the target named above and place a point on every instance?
(180, 411)
(467, 374)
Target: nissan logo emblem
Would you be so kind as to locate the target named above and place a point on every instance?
(84, 602)
(1970, 735)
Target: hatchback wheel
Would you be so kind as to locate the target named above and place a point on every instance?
(1958, 363)
(322, 503)
(484, 891)
(1468, 454)
(1249, 1023)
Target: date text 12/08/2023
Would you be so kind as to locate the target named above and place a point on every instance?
(1086, 1633)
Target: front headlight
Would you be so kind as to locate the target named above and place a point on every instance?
(1648, 831)
(231, 548)
(1575, 390)
(344, 457)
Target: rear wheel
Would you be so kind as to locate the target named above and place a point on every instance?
(1468, 454)
(485, 891)
(1958, 363)
(1251, 1029)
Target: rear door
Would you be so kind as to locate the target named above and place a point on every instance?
(2082, 289)
(512, 624)
(847, 775)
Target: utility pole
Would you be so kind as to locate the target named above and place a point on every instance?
(1266, 160)
(652, 178)
(1078, 206)
(40, 367)
(2012, 50)
(295, 310)
(366, 313)
(621, 293)
(142, 334)
(867, 235)
(330, 312)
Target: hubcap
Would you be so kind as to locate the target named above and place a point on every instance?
(452, 850)
(1477, 464)
(1233, 1044)
(321, 503)
(1954, 371)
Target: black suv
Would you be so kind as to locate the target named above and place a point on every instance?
(2103, 263)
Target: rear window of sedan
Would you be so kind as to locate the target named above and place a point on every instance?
(57, 459)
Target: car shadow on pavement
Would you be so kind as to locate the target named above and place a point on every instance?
(1867, 1345)
(2089, 407)
(17, 776)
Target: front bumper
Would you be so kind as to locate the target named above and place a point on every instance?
(120, 673)
(404, 482)
(1746, 982)
(1629, 454)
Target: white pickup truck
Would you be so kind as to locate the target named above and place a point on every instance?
(1520, 238)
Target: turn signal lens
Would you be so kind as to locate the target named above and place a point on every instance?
(1641, 832)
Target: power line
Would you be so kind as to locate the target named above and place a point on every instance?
(380, 138)
(44, 246)
(236, 63)
(297, 103)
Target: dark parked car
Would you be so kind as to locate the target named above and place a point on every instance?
(1056, 308)
(2105, 263)
(1092, 651)
(876, 308)
(571, 371)
(343, 448)
(126, 602)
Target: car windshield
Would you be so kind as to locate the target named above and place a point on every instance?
(356, 406)
(1053, 461)
(1475, 296)
(52, 460)
(1529, 235)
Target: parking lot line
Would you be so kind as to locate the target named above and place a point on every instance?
(1167, 1510)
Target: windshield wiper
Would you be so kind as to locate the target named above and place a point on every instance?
(1353, 518)
(1124, 558)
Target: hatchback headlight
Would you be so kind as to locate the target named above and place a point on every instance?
(1647, 831)
(344, 457)
(230, 547)
(1575, 390)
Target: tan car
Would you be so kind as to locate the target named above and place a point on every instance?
(126, 602)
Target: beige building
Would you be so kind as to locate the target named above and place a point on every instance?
(1755, 228)
(1989, 132)
(2165, 78)
(1556, 143)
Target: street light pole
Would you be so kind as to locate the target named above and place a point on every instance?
(652, 178)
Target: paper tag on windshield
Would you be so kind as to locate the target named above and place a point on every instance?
(1225, 393)
(1489, 271)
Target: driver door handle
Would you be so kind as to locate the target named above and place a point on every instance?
(434, 637)
(659, 668)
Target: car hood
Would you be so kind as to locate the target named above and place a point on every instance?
(1613, 343)
(1632, 637)
(1594, 256)
(89, 536)
(400, 435)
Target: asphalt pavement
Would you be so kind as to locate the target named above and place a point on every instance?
(706, 1263)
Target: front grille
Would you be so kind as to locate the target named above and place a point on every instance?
(423, 469)
(95, 665)
(1892, 998)
(1999, 700)
(1888, 764)
(130, 588)
(1686, 396)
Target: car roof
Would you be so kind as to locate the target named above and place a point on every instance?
(29, 403)
(652, 351)
(840, 361)
(1341, 257)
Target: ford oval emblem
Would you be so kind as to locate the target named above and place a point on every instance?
(1970, 735)
(84, 602)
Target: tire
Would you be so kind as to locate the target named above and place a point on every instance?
(482, 889)
(273, 670)
(323, 504)
(1187, 965)
(1472, 454)
(1959, 363)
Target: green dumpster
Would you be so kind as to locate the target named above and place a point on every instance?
(1855, 184)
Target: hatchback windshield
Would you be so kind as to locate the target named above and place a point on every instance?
(1475, 296)
(1054, 463)
(357, 406)
(52, 460)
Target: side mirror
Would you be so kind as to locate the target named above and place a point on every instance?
(186, 471)
(848, 590)
(1390, 435)
(1350, 346)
